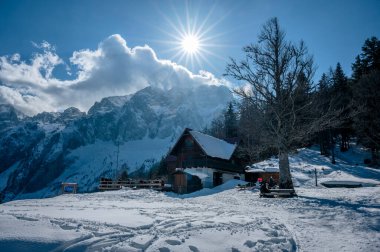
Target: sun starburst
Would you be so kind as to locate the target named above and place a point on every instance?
(192, 42)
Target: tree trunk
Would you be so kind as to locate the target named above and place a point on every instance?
(344, 141)
(374, 158)
(285, 176)
(332, 146)
(321, 144)
(333, 153)
(324, 143)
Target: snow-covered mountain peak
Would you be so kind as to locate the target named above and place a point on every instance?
(108, 104)
(65, 117)
(51, 147)
(71, 113)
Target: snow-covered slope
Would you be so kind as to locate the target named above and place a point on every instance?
(221, 219)
(304, 164)
(38, 153)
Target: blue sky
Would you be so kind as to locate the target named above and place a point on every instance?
(334, 31)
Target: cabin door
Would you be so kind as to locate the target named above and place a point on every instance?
(218, 178)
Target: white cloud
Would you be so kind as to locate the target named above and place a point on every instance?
(112, 69)
(23, 100)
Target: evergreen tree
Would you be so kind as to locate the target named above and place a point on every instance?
(342, 97)
(123, 175)
(323, 97)
(159, 170)
(230, 122)
(252, 132)
(366, 74)
(224, 126)
(357, 69)
(217, 128)
(370, 56)
(302, 98)
(368, 61)
(367, 123)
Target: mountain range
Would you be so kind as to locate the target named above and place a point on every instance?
(38, 153)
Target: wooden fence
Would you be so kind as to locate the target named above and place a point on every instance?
(107, 184)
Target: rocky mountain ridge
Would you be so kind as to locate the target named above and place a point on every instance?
(38, 153)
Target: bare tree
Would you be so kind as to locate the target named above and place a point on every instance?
(278, 74)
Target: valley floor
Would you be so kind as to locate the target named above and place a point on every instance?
(223, 219)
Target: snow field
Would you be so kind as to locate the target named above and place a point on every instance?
(218, 219)
(148, 221)
(322, 219)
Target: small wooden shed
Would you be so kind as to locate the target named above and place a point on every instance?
(253, 174)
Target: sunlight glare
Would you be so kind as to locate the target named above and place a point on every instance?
(192, 40)
(190, 44)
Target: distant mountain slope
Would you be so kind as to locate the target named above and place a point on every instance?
(38, 153)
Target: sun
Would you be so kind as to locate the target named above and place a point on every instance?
(193, 39)
(190, 44)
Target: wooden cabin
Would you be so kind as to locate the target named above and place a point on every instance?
(211, 160)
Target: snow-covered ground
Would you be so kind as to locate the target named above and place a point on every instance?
(219, 219)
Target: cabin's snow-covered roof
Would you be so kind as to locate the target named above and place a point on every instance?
(272, 169)
(214, 147)
(254, 169)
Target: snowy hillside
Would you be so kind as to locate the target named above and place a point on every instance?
(219, 219)
(38, 153)
(349, 167)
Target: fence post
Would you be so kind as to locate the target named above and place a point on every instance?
(316, 179)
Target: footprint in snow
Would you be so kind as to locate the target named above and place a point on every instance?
(164, 249)
(173, 242)
(26, 218)
(250, 244)
(193, 249)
